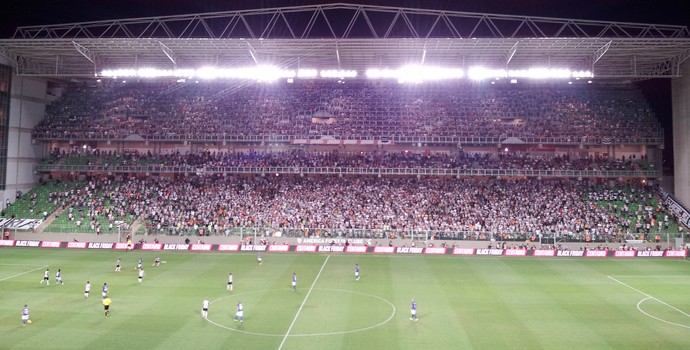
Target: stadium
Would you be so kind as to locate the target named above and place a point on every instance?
(503, 172)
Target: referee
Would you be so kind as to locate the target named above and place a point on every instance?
(106, 306)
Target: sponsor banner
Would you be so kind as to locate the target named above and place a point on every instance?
(100, 245)
(544, 252)
(596, 253)
(175, 246)
(19, 224)
(410, 250)
(201, 247)
(305, 248)
(624, 254)
(51, 244)
(228, 247)
(349, 249)
(22, 243)
(485, 251)
(252, 247)
(329, 241)
(675, 253)
(634, 241)
(278, 248)
(435, 250)
(332, 248)
(76, 245)
(125, 246)
(678, 209)
(356, 249)
(570, 253)
(516, 252)
(384, 250)
(151, 246)
(463, 251)
(650, 253)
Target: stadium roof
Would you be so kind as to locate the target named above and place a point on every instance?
(349, 36)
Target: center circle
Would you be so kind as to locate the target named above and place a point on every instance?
(330, 305)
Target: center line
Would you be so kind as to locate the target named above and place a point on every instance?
(303, 302)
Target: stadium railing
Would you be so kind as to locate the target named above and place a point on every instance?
(272, 234)
(153, 169)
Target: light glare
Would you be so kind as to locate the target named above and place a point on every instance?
(405, 74)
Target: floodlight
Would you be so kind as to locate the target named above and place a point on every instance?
(415, 74)
(338, 73)
(307, 73)
(582, 74)
(481, 73)
(380, 73)
(186, 73)
(206, 73)
(421, 73)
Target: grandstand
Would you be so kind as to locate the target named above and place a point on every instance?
(497, 157)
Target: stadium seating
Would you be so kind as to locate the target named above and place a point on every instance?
(356, 110)
(189, 200)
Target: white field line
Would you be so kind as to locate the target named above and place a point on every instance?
(306, 334)
(23, 273)
(639, 308)
(653, 298)
(303, 302)
(648, 276)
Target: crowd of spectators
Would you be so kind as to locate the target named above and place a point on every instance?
(355, 110)
(372, 207)
(389, 160)
(359, 206)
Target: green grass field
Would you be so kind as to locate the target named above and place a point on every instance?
(463, 302)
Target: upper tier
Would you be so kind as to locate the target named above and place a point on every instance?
(356, 110)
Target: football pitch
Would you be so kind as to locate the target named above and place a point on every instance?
(462, 302)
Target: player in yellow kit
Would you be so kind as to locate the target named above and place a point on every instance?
(106, 306)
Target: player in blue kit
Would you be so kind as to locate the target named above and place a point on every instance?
(413, 311)
(239, 314)
(356, 272)
(25, 316)
(260, 258)
(58, 277)
(140, 264)
(294, 282)
(104, 291)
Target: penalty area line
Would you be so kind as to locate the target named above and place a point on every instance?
(650, 297)
(23, 273)
(303, 302)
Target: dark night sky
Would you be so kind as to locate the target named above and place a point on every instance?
(30, 12)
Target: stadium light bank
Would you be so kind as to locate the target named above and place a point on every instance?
(406, 74)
